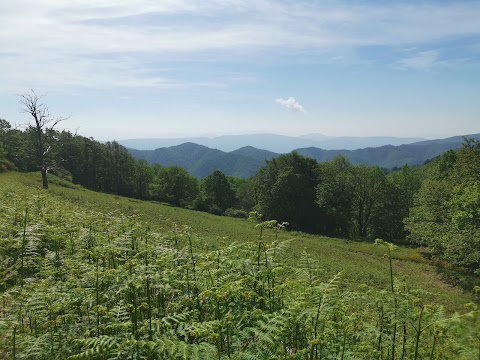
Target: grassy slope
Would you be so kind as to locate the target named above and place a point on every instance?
(361, 262)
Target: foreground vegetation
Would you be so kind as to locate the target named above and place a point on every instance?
(96, 276)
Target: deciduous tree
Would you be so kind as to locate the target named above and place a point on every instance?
(446, 215)
(174, 185)
(334, 196)
(368, 190)
(216, 192)
(43, 128)
(4, 126)
(285, 190)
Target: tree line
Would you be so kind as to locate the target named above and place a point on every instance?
(437, 204)
(109, 167)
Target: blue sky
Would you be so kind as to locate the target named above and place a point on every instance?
(166, 68)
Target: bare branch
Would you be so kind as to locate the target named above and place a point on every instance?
(43, 129)
(39, 111)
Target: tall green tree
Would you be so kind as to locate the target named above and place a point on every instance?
(396, 201)
(174, 185)
(94, 171)
(5, 164)
(4, 127)
(70, 151)
(216, 193)
(286, 191)
(244, 192)
(143, 178)
(17, 147)
(408, 181)
(334, 196)
(368, 192)
(446, 211)
(387, 222)
(120, 166)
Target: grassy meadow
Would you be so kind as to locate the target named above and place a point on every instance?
(123, 278)
(362, 262)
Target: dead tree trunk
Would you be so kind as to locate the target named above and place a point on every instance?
(44, 124)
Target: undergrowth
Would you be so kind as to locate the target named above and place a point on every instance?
(83, 284)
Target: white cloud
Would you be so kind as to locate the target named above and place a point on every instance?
(291, 104)
(110, 43)
(424, 60)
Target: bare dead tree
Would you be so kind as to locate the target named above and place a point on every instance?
(43, 126)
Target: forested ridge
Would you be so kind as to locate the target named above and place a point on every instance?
(245, 161)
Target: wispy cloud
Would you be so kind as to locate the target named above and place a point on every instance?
(291, 104)
(78, 39)
(424, 60)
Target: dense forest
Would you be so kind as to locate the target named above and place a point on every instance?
(435, 205)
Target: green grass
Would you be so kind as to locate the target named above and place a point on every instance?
(80, 280)
(361, 262)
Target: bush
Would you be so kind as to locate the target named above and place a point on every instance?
(215, 210)
(6, 165)
(236, 213)
(63, 174)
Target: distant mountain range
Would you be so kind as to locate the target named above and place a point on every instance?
(272, 142)
(200, 160)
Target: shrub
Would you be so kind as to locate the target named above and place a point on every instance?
(6, 165)
(236, 213)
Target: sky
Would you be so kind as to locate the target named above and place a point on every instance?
(175, 68)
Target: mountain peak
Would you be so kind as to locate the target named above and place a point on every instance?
(271, 142)
(201, 160)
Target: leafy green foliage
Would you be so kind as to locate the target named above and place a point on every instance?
(285, 190)
(174, 185)
(215, 193)
(446, 213)
(244, 192)
(4, 125)
(334, 196)
(90, 284)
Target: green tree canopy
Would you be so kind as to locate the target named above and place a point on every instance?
(216, 192)
(285, 190)
(143, 177)
(367, 196)
(16, 147)
(395, 203)
(174, 185)
(334, 196)
(244, 192)
(4, 127)
(446, 211)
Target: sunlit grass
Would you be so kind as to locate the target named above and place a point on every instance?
(361, 262)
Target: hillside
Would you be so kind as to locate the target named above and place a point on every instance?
(388, 156)
(91, 275)
(200, 160)
(101, 276)
(333, 254)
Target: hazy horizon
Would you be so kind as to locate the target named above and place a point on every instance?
(212, 136)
